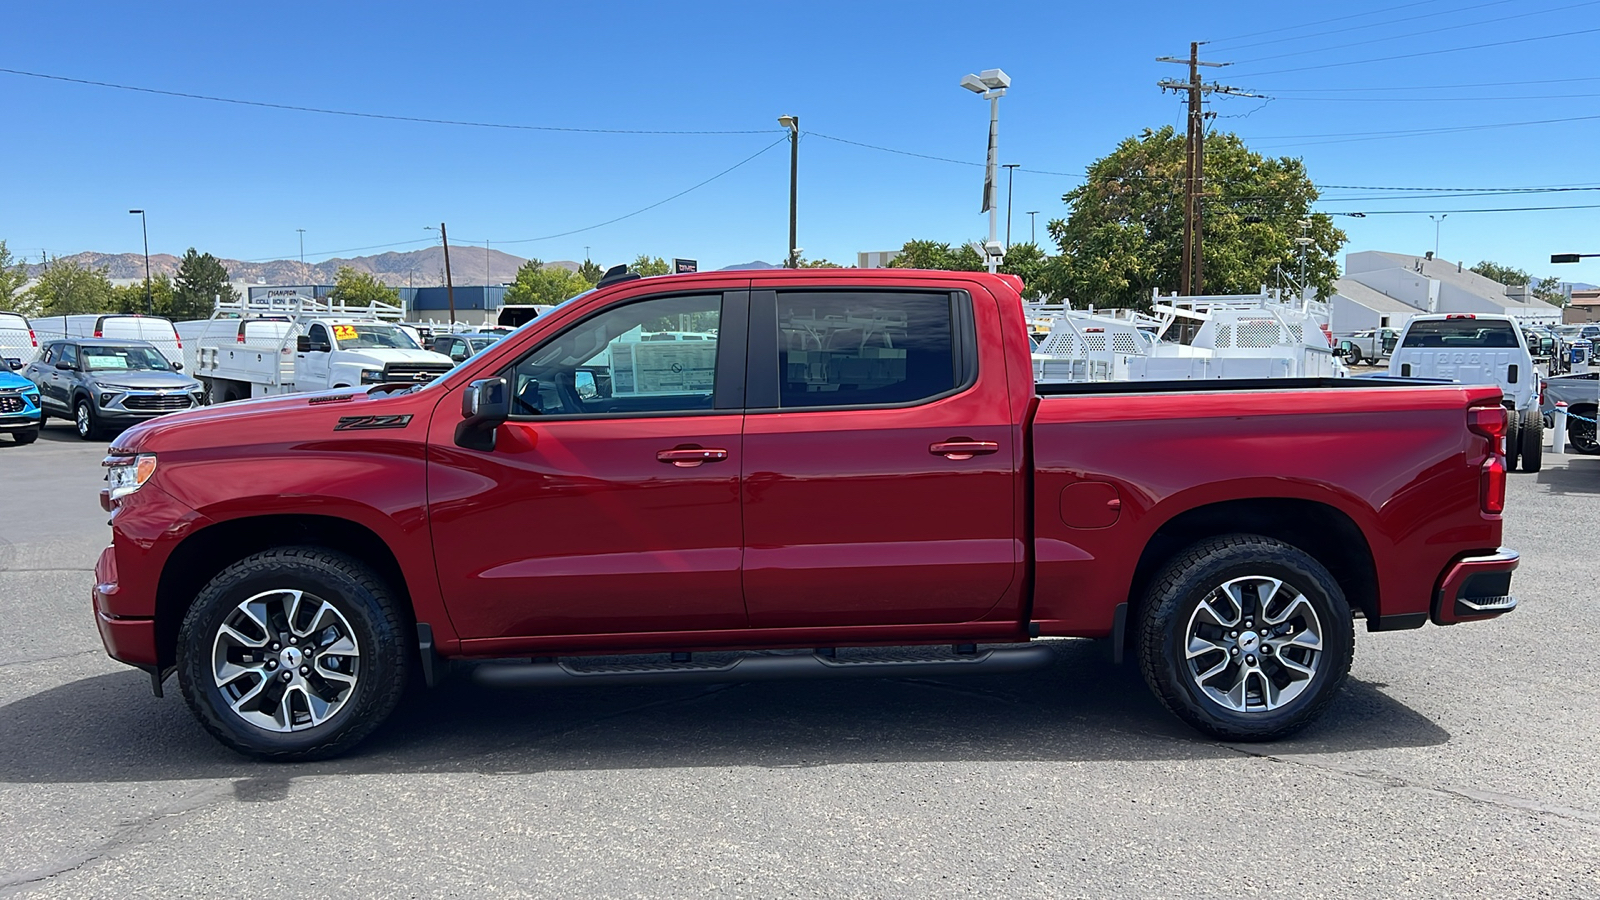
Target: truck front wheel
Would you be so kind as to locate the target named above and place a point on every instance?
(292, 653)
(1532, 440)
(1246, 638)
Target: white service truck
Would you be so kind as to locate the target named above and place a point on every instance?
(284, 346)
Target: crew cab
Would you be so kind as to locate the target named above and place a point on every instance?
(282, 355)
(850, 473)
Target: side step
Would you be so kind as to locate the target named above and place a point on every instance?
(905, 663)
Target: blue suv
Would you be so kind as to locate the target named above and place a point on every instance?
(19, 406)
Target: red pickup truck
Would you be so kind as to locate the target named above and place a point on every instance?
(751, 475)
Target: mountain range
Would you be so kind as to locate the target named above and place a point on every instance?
(420, 268)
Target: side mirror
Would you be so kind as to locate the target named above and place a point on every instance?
(302, 344)
(64, 366)
(14, 362)
(177, 367)
(485, 404)
(585, 387)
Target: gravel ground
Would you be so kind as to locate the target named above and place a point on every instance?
(1458, 762)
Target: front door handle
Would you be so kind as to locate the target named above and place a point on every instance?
(689, 457)
(962, 448)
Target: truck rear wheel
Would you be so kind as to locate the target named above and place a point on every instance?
(1246, 638)
(1532, 440)
(1513, 439)
(293, 653)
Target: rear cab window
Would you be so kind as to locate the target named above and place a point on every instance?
(1460, 333)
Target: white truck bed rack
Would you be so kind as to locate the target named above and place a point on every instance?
(298, 308)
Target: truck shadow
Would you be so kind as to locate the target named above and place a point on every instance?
(1581, 475)
(109, 728)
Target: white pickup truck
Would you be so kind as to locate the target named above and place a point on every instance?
(277, 351)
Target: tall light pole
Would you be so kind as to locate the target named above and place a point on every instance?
(1033, 231)
(302, 233)
(1437, 222)
(149, 302)
(1011, 175)
(793, 124)
(991, 84)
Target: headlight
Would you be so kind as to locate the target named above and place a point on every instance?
(126, 474)
(372, 376)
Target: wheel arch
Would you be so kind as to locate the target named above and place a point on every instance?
(203, 554)
(1325, 532)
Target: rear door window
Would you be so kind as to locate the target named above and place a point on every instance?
(1460, 333)
(865, 348)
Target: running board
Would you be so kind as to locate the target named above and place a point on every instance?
(766, 667)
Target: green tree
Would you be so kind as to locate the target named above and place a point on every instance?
(130, 298)
(357, 288)
(1028, 262)
(647, 265)
(591, 272)
(539, 283)
(65, 288)
(201, 280)
(13, 275)
(1123, 235)
(1509, 276)
(1549, 290)
(818, 264)
(938, 255)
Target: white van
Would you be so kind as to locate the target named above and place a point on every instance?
(17, 340)
(155, 329)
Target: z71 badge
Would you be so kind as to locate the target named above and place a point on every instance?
(364, 423)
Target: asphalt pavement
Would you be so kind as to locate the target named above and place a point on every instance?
(1458, 762)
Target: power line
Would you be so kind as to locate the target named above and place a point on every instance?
(1323, 21)
(359, 115)
(1414, 196)
(1355, 137)
(1418, 212)
(1369, 187)
(1435, 99)
(943, 159)
(1301, 37)
(1496, 44)
(1422, 87)
(1413, 34)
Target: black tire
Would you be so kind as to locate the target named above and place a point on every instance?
(84, 420)
(1581, 434)
(365, 608)
(1513, 439)
(25, 437)
(1532, 440)
(1355, 358)
(1172, 606)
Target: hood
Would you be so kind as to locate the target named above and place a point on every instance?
(381, 356)
(145, 381)
(154, 433)
(11, 381)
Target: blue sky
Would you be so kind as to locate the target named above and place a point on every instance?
(238, 180)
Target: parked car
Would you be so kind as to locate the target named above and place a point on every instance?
(19, 406)
(18, 345)
(460, 346)
(854, 458)
(1581, 393)
(1475, 348)
(101, 385)
(1371, 346)
(128, 327)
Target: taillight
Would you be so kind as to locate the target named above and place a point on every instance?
(1492, 485)
(180, 343)
(239, 339)
(1489, 421)
(31, 338)
(97, 333)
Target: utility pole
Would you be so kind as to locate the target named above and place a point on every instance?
(449, 285)
(1011, 172)
(1191, 277)
(791, 259)
(1033, 230)
(302, 233)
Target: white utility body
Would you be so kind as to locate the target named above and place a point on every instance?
(258, 348)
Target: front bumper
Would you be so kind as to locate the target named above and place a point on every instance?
(128, 640)
(1475, 588)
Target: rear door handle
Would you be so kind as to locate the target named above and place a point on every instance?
(689, 457)
(961, 448)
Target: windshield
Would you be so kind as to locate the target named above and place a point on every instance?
(478, 343)
(124, 359)
(1488, 333)
(373, 337)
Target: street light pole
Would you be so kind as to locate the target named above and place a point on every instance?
(1033, 231)
(1437, 222)
(1011, 174)
(991, 84)
(793, 124)
(302, 233)
(149, 301)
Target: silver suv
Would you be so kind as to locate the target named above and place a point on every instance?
(100, 384)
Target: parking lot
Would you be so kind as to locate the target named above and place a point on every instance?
(1458, 762)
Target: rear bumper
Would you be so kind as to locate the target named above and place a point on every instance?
(128, 640)
(1475, 588)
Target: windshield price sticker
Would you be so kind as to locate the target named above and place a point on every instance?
(344, 332)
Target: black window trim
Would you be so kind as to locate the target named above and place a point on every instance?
(732, 333)
(763, 392)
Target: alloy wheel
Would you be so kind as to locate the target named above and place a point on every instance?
(285, 660)
(1253, 644)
